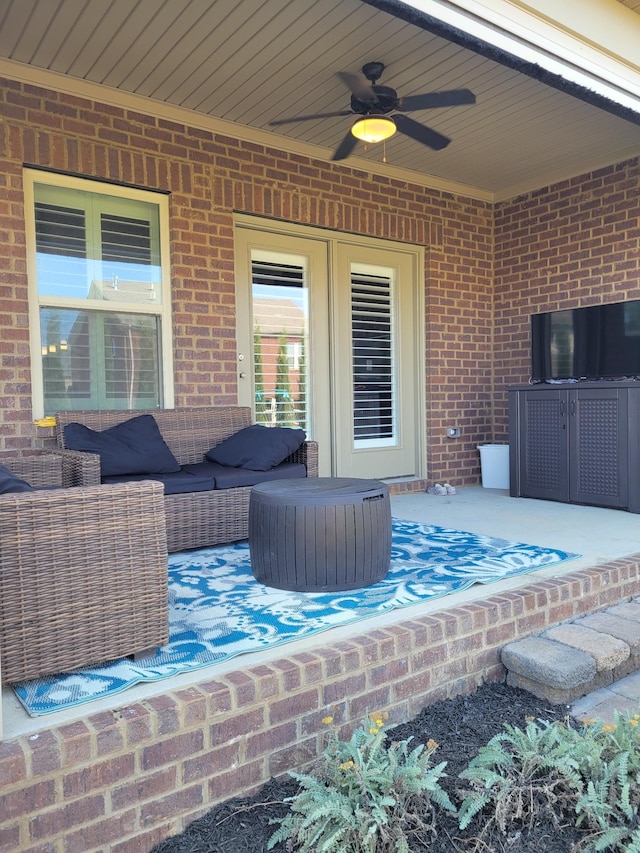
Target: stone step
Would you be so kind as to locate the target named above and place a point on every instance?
(570, 660)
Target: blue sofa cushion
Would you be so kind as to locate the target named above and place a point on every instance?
(176, 483)
(132, 447)
(227, 477)
(257, 447)
(10, 484)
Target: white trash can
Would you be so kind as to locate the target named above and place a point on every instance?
(494, 465)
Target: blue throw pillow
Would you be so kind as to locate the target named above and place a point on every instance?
(10, 484)
(257, 447)
(135, 446)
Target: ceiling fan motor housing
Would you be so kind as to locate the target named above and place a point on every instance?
(373, 71)
(386, 101)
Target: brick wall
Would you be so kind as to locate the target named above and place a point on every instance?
(211, 177)
(120, 781)
(574, 244)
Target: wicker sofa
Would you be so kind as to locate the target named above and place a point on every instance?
(194, 519)
(83, 571)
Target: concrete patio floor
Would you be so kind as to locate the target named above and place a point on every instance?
(598, 535)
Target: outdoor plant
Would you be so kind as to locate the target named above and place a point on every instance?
(610, 802)
(591, 772)
(520, 773)
(365, 796)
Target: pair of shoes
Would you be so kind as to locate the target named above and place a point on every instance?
(436, 490)
(450, 490)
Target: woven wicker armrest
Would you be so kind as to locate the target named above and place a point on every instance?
(37, 467)
(83, 577)
(80, 468)
(307, 453)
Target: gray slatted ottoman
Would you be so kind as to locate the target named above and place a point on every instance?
(320, 534)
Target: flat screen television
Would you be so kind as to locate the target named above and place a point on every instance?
(596, 342)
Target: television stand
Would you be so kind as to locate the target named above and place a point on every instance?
(577, 443)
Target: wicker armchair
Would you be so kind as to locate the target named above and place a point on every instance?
(83, 572)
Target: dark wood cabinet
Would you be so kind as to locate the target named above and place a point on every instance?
(576, 443)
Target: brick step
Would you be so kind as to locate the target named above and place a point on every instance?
(570, 660)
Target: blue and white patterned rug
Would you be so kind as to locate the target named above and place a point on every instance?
(218, 610)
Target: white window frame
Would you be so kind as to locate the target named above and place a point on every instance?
(37, 301)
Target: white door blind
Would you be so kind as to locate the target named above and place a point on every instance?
(373, 353)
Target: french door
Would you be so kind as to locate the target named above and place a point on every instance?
(328, 340)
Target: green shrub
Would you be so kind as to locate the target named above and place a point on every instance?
(521, 773)
(365, 796)
(591, 772)
(610, 802)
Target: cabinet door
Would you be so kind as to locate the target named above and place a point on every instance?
(599, 442)
(543, 456)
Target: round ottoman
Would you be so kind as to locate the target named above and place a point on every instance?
(320, 533)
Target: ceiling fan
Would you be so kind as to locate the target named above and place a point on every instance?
(374, 103)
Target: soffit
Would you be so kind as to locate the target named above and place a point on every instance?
(245, 64)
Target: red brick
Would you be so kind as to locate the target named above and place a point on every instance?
(337, 690)
(144, 788)
(244, 778)
(25, 801)
(64, 817)
(45, 753)
(100, 774)
(138, 724)
(162, 808)
(98, 835)
(388, 672)
(271, 739)
(75, 742)
(10, 838)
(13, 766)
(174, 749)
(233, 727)
(208, 764)
(293, 706)
(295, 755)
(147, 840)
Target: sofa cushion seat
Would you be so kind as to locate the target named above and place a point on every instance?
(227, 477)
(177, 483)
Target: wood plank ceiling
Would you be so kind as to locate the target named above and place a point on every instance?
(251, 63)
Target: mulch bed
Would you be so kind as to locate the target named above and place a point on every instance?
(460, 726)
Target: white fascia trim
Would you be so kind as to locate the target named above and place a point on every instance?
(535, 38)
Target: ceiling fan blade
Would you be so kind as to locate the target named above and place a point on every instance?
(359, 87)
(451, 98)
(421, 133)
(309, 118)
(345, 148)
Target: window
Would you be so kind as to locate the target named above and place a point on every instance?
(100, 302)
(280, 336)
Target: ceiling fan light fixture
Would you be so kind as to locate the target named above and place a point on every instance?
(374, 128)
